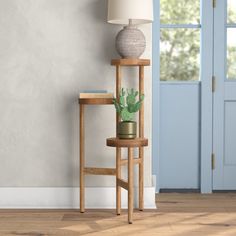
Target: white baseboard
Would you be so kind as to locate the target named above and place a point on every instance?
(68, 198)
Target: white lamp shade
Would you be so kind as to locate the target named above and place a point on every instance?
(121, 11)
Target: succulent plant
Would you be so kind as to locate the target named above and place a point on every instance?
(127, 105)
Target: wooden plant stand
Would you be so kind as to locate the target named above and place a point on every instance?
(130, 144)
(118, 143)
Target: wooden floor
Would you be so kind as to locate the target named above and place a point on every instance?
(177, 215)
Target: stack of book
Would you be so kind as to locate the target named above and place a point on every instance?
(96, 94)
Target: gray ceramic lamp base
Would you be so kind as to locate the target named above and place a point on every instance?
(130, 42)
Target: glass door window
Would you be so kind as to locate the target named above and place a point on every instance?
(180, 40)
(231, 39)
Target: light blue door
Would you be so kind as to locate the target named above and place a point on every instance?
(182, 96)
(224, 101)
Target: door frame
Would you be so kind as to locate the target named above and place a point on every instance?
(207, 96)
(207, 17)
(156, 94)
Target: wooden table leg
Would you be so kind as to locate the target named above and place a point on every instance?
(118, 150)
(130, 185)
(118, 176)
(141, 185)
(141, 135)
(81, 158)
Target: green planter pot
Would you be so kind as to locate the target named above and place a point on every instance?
(127, 129)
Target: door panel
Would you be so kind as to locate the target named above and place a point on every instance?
(230, 133)
(180, 135)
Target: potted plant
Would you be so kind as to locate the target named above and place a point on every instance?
(127, 105)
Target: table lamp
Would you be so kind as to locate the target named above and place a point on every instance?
(130, 41)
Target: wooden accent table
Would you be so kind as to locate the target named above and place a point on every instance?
(140, 63)
(86, 170)
(118, 143)
(130, 144)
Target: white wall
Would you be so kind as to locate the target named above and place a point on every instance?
(49, 51)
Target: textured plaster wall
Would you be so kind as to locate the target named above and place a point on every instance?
(49, 51)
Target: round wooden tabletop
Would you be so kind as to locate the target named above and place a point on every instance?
(130, 62)
(137, 142)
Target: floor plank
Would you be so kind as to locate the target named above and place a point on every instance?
(176, 215)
